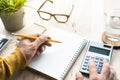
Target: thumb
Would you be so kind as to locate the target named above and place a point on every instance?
(79, 76)
(40, 40)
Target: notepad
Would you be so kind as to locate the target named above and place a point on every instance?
(57, 60)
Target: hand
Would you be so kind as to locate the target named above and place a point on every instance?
(107, 72)
(79, 76)
(33, 47)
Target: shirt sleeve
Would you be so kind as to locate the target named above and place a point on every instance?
(11, 64)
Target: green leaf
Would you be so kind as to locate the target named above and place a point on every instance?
(9, 6)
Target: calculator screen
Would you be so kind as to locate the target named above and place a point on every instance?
(99, 50)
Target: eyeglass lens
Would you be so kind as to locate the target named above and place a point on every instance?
(62, 18)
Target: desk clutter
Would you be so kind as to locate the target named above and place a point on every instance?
(3, 41)
(56, 61)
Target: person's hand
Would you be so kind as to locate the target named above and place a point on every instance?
(33, 47)
(79, 76)
(107, 72)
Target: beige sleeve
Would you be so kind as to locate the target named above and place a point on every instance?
(11, 64)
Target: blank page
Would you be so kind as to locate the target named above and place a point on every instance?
(56, 60)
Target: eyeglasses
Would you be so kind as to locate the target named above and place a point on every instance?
(61, 18)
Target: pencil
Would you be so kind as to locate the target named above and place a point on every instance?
(33, 37)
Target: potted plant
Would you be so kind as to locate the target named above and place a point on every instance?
(11, 13)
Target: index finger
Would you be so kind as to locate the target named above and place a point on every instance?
(92, 70)
(40, 40)
(106, 68)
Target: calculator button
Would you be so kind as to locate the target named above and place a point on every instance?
(87, 69)
(86, 62)
(96, 61)
(96, 64)
(84, 68)
(99, 70)
(101, 59)
(88, 56)
(85, 65)
(100, 65)
(87, 59)
(92, 57)
(97, 58)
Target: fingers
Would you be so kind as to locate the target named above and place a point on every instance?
(92, 71)
(41, 44)
(79, 76)
(112, 75)
(105, 70)
(41, 49)
(40, 40)
(47, 43)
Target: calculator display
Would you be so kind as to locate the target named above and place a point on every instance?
(99, 50)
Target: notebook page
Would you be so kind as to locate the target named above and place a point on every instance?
(55, 59)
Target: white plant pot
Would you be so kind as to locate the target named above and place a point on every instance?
(13, 22)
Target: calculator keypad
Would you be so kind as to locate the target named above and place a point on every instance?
(96, 52)
(98, 61)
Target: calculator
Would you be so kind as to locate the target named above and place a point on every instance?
(96, 52)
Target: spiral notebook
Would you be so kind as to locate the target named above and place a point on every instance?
(57, 60)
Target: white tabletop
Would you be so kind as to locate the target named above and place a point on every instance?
(87, 20)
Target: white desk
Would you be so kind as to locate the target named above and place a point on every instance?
(87, 20)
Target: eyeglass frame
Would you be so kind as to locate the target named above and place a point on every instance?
(53, 15)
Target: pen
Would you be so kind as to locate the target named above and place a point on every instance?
(33, 37)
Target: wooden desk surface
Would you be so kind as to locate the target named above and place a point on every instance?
(87, 20)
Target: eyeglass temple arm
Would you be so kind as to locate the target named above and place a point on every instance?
(44, 3)
(71, 9)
